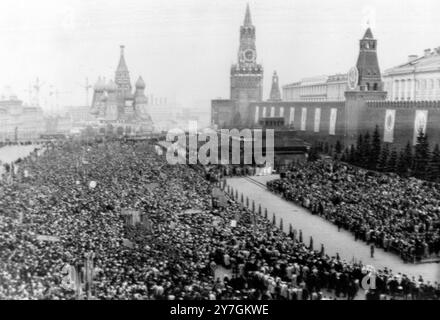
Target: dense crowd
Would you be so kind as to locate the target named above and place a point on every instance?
(178, 257)
(397, 214)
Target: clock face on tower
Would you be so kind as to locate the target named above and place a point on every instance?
(249, 55)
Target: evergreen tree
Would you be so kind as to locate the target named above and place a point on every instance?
(346, 155)
(313, 154)
(352, 157)
(365, 150)
(326, 149)
(434, 165)
(375, 149)
(401, 167)
(408, 157)
(421, 156)
(359, 147)
(392, 161)
(338, 147)
(383, 159)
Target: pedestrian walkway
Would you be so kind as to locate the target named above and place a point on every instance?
(10, 154)
(324, 232)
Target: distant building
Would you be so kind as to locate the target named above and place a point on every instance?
(114, 102)
(320, 88)
(333, 87)
(19, 122)
(417, 79)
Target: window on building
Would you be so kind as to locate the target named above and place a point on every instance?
(281, 112)
(272, 112)
(375, 87)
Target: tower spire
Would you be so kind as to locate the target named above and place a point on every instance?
(247, 17)
(122, 77)
(368, 65)
(122, 65)
(275, 94)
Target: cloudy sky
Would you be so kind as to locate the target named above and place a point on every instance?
(184, 48)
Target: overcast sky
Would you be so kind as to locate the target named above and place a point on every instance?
(184, 48)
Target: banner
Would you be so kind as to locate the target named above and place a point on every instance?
(333, 116)
(127, 243)
(257, 110)
(291, 116)
(303, 119)
(47, 238)
(420, 122)
(390, 119)
(317, 119)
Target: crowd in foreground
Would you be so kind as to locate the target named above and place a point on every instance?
(178, 256)
(397, 214)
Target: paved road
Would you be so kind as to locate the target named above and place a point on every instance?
(325, 232)
(10, 154)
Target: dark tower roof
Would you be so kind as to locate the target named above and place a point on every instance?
(368, 34)
(368, 64)
(247, 17)
(275, 94)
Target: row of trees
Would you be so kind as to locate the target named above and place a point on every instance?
(371, 153)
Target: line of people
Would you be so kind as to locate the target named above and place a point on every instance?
(397, 214)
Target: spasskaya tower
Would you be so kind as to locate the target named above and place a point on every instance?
(247, 74)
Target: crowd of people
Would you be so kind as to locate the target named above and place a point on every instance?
(387, 211)
(74, 194)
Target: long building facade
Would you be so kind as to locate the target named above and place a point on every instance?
(418, 79)
(20, 122)
(320, 88)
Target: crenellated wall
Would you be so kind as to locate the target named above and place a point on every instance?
(312, 124)
(396, 119)
(405, 114)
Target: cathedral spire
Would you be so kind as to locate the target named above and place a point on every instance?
(122, 78)
(247, 17)
(122, 66)
(275, 94)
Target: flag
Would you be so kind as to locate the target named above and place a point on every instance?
(390, 116)
(127, 243)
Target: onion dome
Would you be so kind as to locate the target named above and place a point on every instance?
(111, 86)
(140, 84)
(99, 85)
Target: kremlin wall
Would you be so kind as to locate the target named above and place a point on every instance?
(310, 109)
